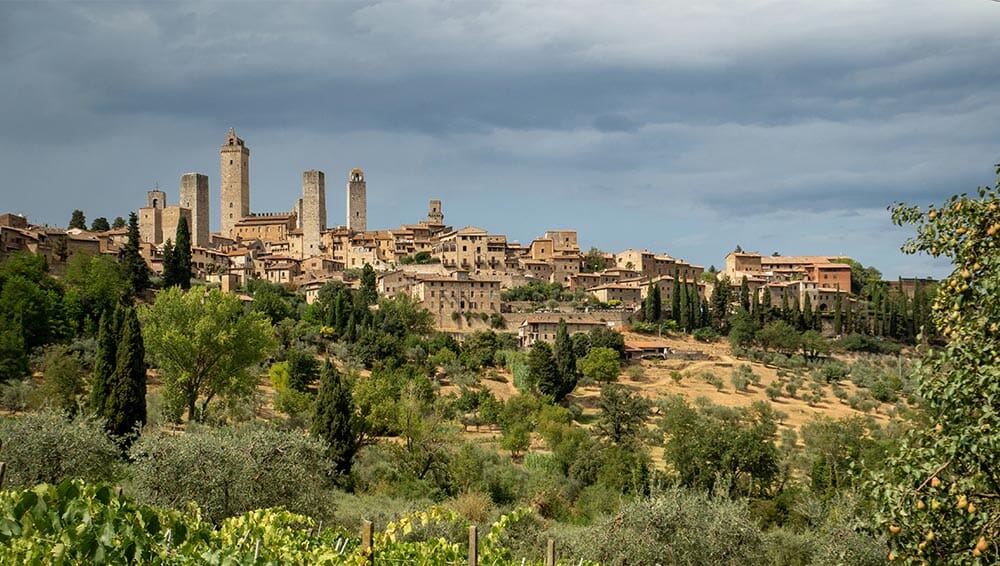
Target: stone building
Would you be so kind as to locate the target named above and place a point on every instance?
(357, 201)
(544, 327)
(313, 213)
(234, 183)
(158, 222)
(266, 227)
(194, 197)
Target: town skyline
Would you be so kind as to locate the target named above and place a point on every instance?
(688, 131)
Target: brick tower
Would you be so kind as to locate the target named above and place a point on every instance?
(357, 207)
(234, 181)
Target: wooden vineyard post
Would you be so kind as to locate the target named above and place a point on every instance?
(367, 532)
(550, 553)
(473, 546)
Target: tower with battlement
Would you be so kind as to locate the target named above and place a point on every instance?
(194, 196)
(357, 205)
(234, 183)
(151, 217)
(434, 214)
(312, 211)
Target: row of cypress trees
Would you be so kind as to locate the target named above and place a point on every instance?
(118, 390)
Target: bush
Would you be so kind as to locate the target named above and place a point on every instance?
(680, 527)
(705, 334)
(45, 447)
(230, 471)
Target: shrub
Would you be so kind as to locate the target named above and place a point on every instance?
(680, 527)
(45, 447)
(230, 471)
(705, 334)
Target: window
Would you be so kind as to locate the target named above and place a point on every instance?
(230, 161)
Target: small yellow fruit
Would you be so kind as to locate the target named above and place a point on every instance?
(993, 207)
(930, 536)
(938, 427)
(958, 207)
(935, 481)
(976, 552)
(972, 508)
(893, 529)
(932, 214)
(935, 504)
(892, 556)
(981, 545)
(920, 505)
(963, 502)
(966, 274)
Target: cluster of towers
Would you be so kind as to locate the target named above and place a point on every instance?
(158, 222)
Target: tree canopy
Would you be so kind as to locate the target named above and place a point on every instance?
(205, 345)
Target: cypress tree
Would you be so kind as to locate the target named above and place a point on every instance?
(838, 317)
(565, 358)
(105, 359)
(807, 313)
(721, 298)
(125, 408)
(685, 321)
(542, 368)
(170, 276)
(656, 303)
(182, 254)
(693, 306)
(334, 419)
(755, 308)
(675, 298)
(135, 267)
(745, 294)
(786, 312)
(765, 306)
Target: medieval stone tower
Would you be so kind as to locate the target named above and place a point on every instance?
(151, 217)
(312, 212)
(434, 214)
(194, 196)
(357, 207)
(234, 181)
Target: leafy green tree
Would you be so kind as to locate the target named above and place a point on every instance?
(118, 223)
(303, 369)
(939, 496)
(743, 330)
(13, 355)
(600, 364)
(135, 267)
(707, 445)
(78, 220)
(100, 224)
(94, 284)
(781, 336)
(813, 344)
(622, 414)
(335, 420)
(542, 371)
(604, 337)
(593, 261)
(45, 447)
(125, 406)
(204, 345)
(63, 382)
(31, 300)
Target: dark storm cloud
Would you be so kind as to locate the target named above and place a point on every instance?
(656, 109)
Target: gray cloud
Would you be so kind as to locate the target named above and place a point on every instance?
(647, 125)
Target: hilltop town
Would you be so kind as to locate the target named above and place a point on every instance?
(459, 275)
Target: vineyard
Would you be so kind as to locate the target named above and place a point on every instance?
(80, 523)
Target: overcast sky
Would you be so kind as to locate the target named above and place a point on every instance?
(679, 127)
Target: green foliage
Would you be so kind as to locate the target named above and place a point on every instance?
(731, 453)
(781, 336)
(94, 284)
(600, 364)
(46, 447)
(63, 384)
(100, 224)
(136, 271)
(229, 471)
(680, 527)
(124, 409)
(335, 420)
(77, 220)
(622, 414)
(939, 494)
(303, 369)
(204, 345)
(542, 371)
(30, 306)
(538, 292)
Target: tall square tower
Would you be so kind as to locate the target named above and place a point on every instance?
(234, 181)
(312, 217)
(194, 196)
(357, 207)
